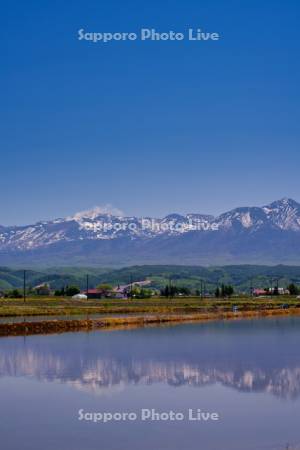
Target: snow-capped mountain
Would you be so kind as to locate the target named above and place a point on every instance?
(282, 215)
(92, 236)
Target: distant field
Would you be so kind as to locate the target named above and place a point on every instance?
(158, 305)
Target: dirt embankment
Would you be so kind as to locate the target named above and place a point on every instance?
(62, 326)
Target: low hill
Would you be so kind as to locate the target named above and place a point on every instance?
(242, 277)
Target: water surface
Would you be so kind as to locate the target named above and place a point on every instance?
(246, 371)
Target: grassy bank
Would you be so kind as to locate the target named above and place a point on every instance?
(132, 313)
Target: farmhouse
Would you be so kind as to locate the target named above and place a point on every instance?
(97, 293)
(42, 289)
(259, 292)
(270, 291)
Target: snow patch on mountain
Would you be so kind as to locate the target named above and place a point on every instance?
(285, 214)
(104, 223)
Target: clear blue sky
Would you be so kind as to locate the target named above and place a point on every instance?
(148, 127)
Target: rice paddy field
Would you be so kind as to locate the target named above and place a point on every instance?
(58, 306)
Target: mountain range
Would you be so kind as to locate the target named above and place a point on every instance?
(247, 235)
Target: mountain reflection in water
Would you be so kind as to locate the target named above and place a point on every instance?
(249, 356)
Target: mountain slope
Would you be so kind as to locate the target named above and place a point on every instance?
(257, 235)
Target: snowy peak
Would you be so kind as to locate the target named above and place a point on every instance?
(96, 212)
(285, 202)
(284, 213)
(107, 224)
(248, 218)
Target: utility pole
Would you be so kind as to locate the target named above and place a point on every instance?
(271, 287)
(170, 286)
(131, 286)
(277, 286)
(87, 287)
(24, 286)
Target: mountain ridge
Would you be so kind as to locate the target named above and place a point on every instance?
(262, 235)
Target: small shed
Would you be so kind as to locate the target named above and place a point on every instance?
(79, 297)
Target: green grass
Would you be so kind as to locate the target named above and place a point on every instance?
(66, 306)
